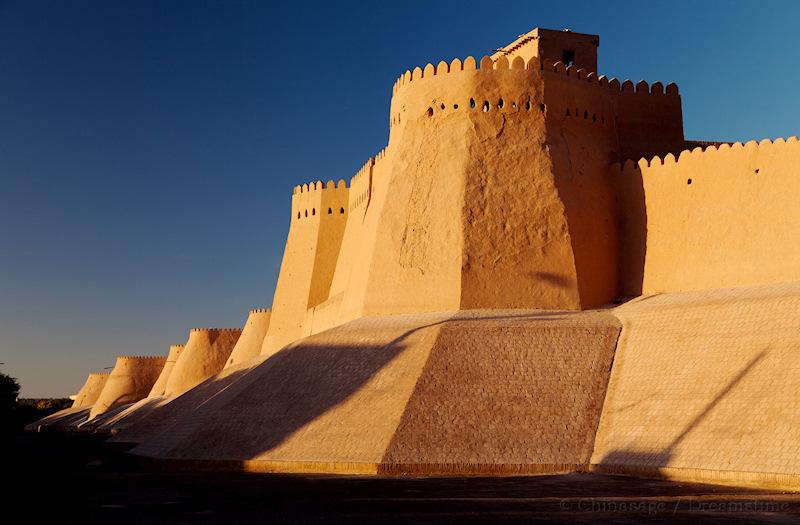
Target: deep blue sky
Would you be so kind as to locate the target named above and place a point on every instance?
(148, 149)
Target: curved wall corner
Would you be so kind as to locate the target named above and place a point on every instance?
(131, 380)
(205, 354)
(90, 390)
(249, 343)
(161, 383)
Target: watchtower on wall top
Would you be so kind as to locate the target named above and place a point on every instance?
(549, 45)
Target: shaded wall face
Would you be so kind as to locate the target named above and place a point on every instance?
(517, 250)
(560, 46)
(521, 388)
(582, 140)
(712, 219)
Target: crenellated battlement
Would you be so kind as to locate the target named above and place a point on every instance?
(688, 155)
(319, 186)
(260, 311)
(145, 358)
(535, 64)
(214, 330)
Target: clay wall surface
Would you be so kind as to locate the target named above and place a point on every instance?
(161, 383)
(704, 386)
(710, 219)
(90, 390)
(507, 390)
(250, 342)
(309, 259)
(204, 355)
(130, 380)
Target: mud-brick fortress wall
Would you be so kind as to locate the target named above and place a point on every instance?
(493, 192)
(717, 218)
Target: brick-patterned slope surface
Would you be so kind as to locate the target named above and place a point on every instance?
(333, 399)
(508, 392)
(493, 391)
(709, 382)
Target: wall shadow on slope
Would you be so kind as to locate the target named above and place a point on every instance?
(280, 396)
(637, 459)
(155, 414)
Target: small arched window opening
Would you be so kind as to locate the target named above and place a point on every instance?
(500, 103)
(485, 106)
(688, 181)
(306, 213)
(429, 112)
(441, 105)
(298, 214)
(542, 107)
(567, 111)
(313, 211)
(341, 210)
(594, 118)
(330, 211)
(472, 103)
(455, 106)
(585, 115)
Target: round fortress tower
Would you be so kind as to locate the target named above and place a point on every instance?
(130, 380)
(90, 390)
(161, 383)
(204, 355)
(249, 344)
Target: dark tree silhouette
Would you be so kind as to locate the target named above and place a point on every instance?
(9, 390)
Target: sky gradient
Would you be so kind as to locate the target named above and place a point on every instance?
(148, 149)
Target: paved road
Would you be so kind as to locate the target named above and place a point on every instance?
(73, 481)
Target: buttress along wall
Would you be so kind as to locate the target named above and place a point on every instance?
(319, 214)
